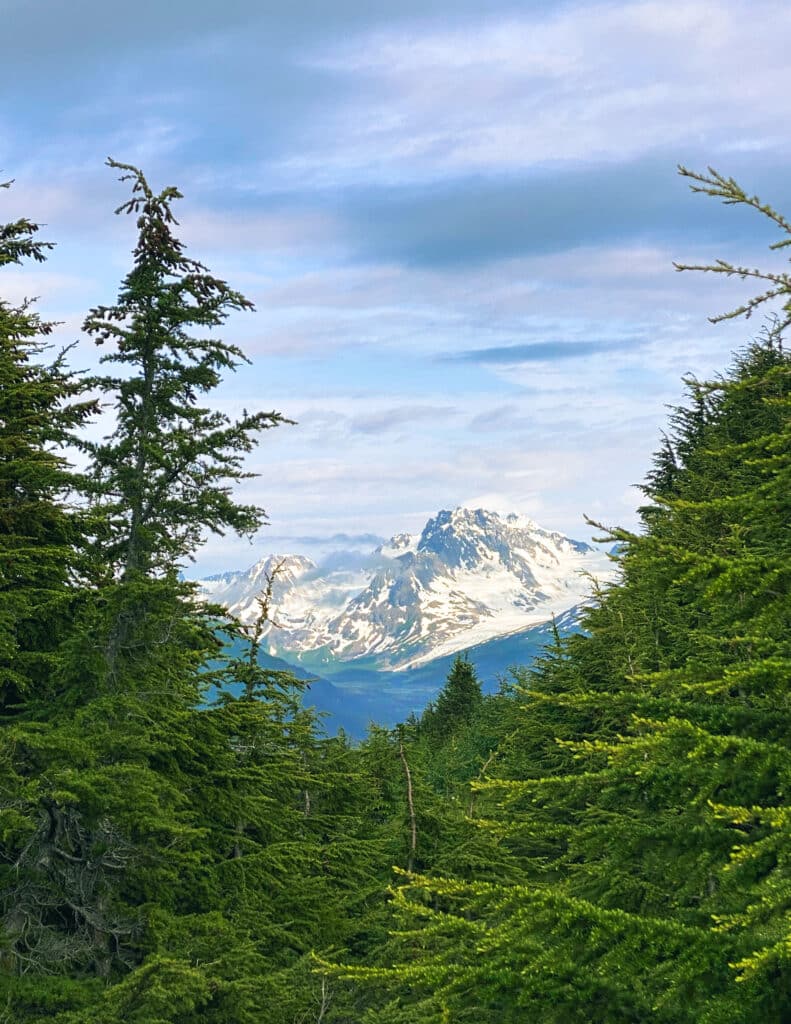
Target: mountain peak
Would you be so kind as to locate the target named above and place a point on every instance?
(398, 546)
(295, 564)
(470, 575)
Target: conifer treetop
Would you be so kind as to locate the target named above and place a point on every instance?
(16, 239)
(165, 474)
(732, 194)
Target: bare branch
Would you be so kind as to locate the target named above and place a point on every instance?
(731, 193)
(411, 805)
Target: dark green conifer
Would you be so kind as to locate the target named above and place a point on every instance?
(99, 810)
(162, 480)
(456, 704)
(40, 407)
(176, 863)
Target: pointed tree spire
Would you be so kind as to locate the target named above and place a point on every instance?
(163, 479)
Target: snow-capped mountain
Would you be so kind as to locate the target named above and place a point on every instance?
(469, 576)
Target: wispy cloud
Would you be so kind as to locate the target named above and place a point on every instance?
(386, 421)
(542, 351)
(574, 82)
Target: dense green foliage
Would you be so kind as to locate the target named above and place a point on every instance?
(640, 799)
(606, 839)
(40, 406)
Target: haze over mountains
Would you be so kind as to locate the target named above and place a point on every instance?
(469, 577)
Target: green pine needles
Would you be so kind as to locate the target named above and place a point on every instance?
(41, 407)
(163, 479)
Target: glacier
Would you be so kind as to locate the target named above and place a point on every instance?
(469, 577)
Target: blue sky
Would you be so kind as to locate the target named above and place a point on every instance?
(457, 222)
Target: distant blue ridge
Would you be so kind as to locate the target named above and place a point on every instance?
(354, 694)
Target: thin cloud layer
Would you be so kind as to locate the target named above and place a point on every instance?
(538, 352)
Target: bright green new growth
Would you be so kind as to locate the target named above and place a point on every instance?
(640, 805)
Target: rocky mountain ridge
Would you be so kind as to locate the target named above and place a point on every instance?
(469, 576)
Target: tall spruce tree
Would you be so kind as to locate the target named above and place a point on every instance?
(163, 479)
(164, 861)
(41, 405)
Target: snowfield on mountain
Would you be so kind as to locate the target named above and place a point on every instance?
(471, 575)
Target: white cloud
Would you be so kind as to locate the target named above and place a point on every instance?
(265, 233)
(591, 81)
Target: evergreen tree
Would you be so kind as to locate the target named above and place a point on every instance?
(99, 815)
(457, 703)
(40, 407)
(163, 479)
(164, 861)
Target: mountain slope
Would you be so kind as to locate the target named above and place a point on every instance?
(469, 576)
